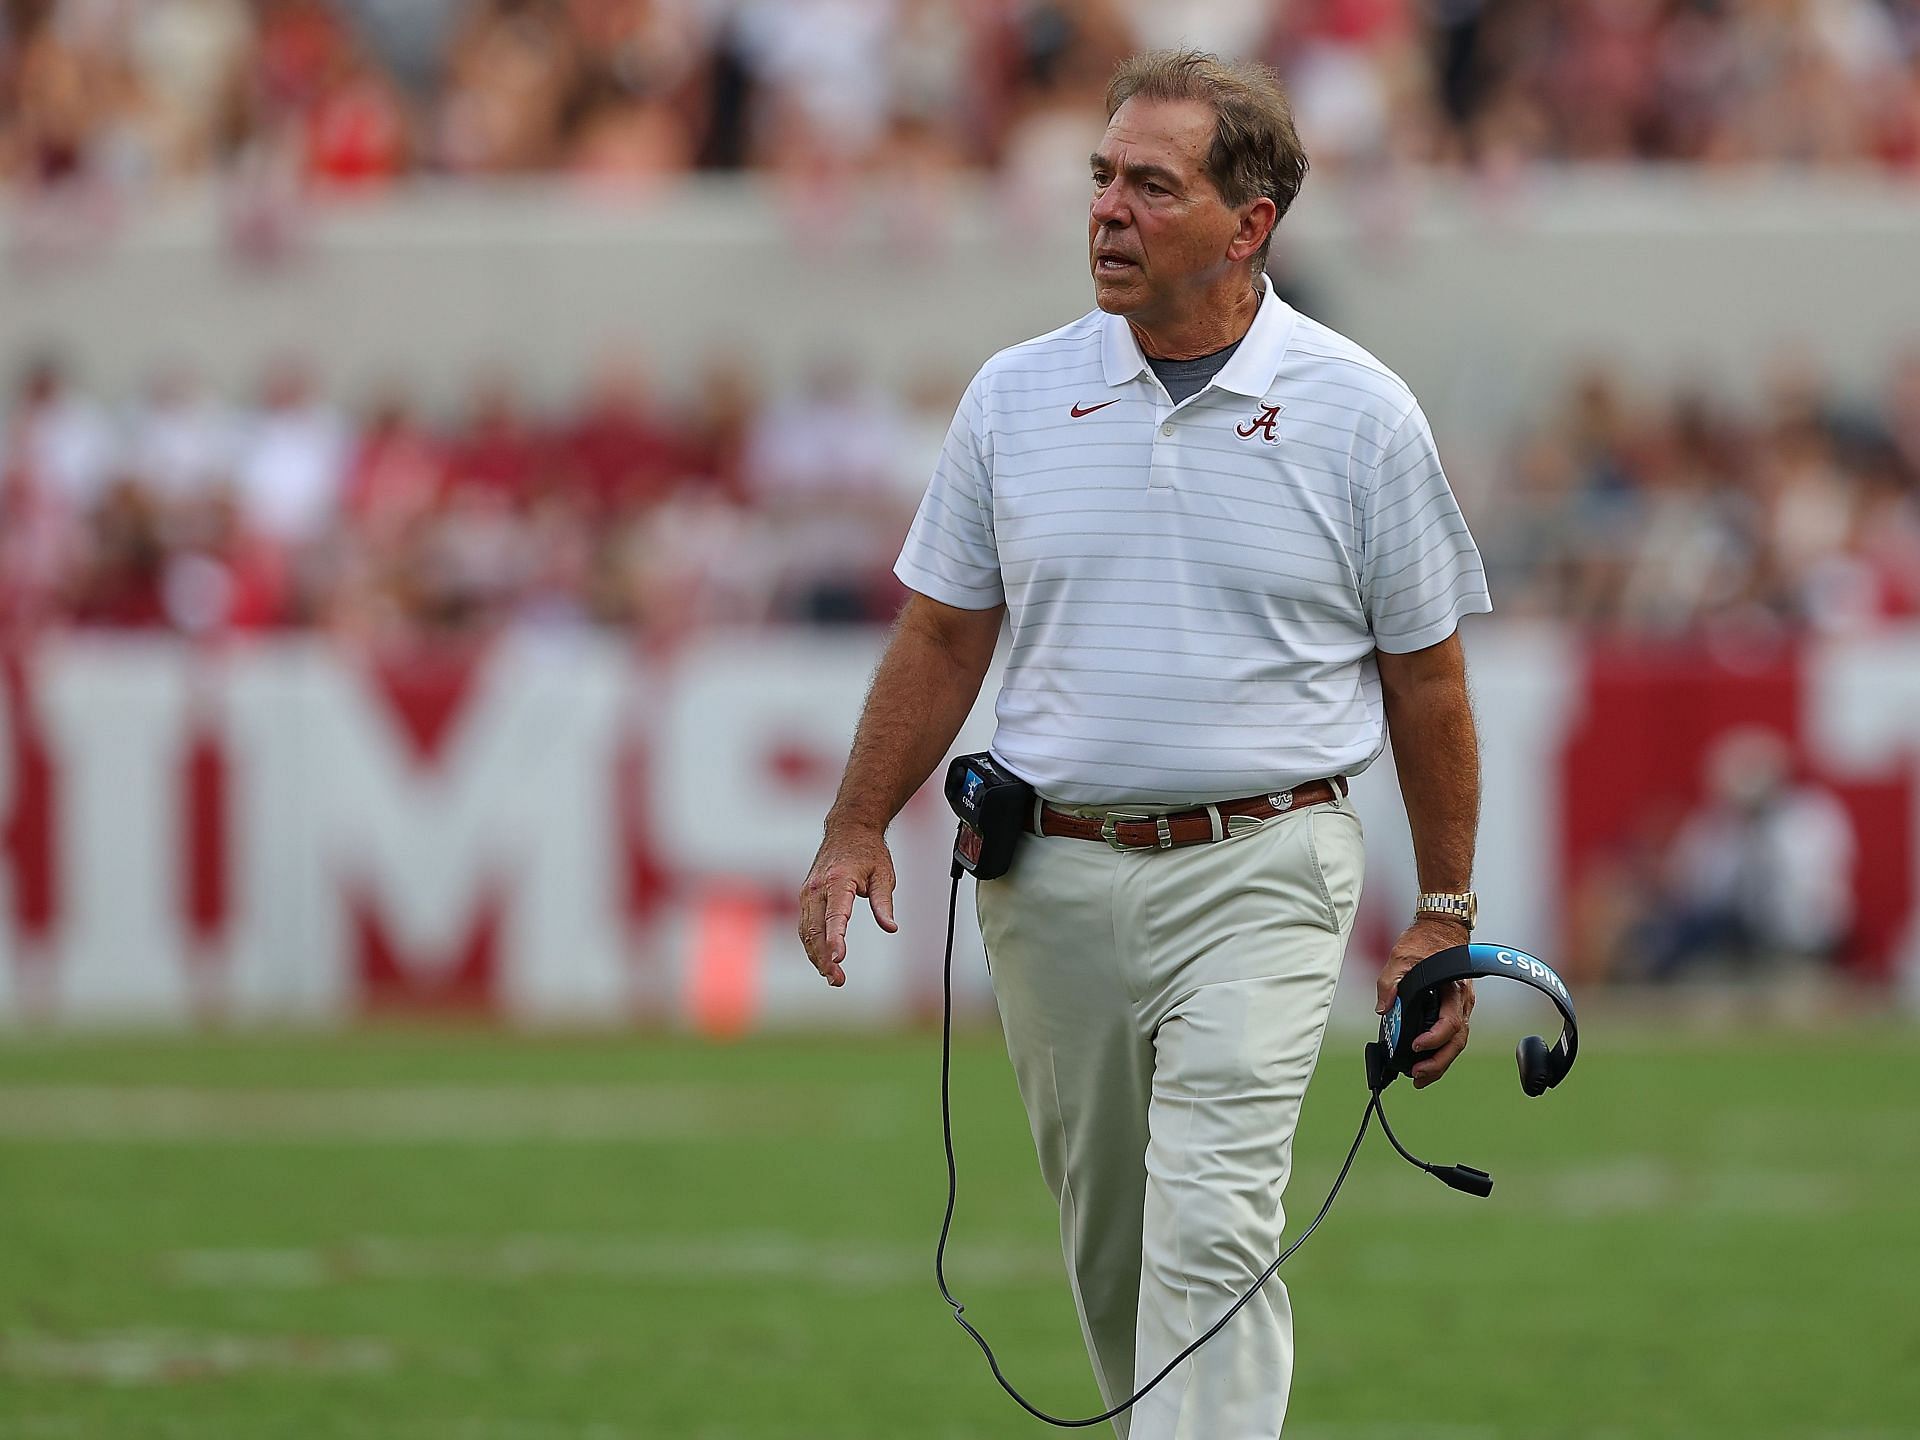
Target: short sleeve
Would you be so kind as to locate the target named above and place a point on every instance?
(1421, 571)
(950, 554)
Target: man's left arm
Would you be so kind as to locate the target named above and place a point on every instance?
(1437, 756)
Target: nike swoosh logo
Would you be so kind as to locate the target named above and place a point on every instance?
(1077, 412)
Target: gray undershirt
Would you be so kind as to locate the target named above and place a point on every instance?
(1189, 377)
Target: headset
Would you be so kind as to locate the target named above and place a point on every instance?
(1419, 996)
(1415, 1008)
(993, 805)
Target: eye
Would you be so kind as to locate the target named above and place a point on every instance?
(1100, 178)
(1153, 189)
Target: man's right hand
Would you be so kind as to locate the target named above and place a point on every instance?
(851, 861)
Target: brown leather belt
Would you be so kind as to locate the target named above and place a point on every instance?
(1202, 825)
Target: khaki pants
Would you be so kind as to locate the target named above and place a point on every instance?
(1163, 1011)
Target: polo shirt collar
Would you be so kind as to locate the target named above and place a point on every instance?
(1248, 371)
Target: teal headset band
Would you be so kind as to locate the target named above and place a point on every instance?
(1470, 962)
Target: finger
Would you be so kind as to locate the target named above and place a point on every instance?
(809, 927)
(1454, 1021)
(880, 898)
(1389, 981)
(839, 911)
(1442, 1031)
(1456, 1001)
(1434, 1066)
(813, 931)
(815, 907)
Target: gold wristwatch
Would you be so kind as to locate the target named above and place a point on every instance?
(1464, 907)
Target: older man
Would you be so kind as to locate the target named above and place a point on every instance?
(1231, 562)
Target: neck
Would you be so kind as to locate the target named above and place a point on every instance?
(1221, 318)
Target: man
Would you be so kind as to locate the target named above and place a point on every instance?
(1230, 559)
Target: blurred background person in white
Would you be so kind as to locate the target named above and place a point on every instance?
(1760, 878)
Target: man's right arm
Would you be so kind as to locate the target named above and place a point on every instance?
(921, 695)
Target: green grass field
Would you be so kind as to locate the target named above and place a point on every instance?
(476, 1237)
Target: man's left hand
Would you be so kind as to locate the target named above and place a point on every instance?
(1428, 935)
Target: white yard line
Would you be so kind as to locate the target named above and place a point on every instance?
(1646, 1185)
(479, 1114)
(512, 1260)
(149, 1357)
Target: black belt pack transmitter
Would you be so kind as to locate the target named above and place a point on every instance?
(993, 805)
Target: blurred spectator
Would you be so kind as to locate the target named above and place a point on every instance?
(511, 70)
(119, 583)
(1903, 412)
(219, 576)
(409, 36)
(823, 466)
(617, 455)
(291, 466)
(357, 132)
(1761, 876)
(398, 472)
(1672, 513)
(1679, 514)
(128, 91)
(181, 443)
(718, 421)
(622, 137)
(1055, 66)
(63, 440)
(1691, 549)
(821, 69)
(497, 449)
(37, 542)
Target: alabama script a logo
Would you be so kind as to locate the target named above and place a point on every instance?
(1262, 425)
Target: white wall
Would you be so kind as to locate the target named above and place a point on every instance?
(1481, 300)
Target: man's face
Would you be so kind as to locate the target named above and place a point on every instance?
(1157, 230)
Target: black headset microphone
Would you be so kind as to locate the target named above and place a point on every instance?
(993, 805)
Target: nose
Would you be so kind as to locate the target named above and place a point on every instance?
(1107, 208)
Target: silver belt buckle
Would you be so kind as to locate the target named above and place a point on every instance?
(1109, 831)
(1281, 800)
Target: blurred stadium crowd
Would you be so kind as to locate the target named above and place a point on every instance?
(1647, 514)
(185, 512)
(129, 93)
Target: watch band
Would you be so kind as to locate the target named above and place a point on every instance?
(1464, 906)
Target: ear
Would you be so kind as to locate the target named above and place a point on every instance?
(1257, 219)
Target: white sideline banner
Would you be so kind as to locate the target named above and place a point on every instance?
(556, 831)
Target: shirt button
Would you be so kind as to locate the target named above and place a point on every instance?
(1166, 429)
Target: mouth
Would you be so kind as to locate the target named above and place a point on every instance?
(1108, 263)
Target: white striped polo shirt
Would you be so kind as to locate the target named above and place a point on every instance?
(1195, 591)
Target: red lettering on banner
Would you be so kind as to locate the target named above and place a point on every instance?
(205, 842)
(560, 836)
(646, 880)
(801, 768)
(391, 982)
(426, 689)
(646, 883)
(28, 837)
